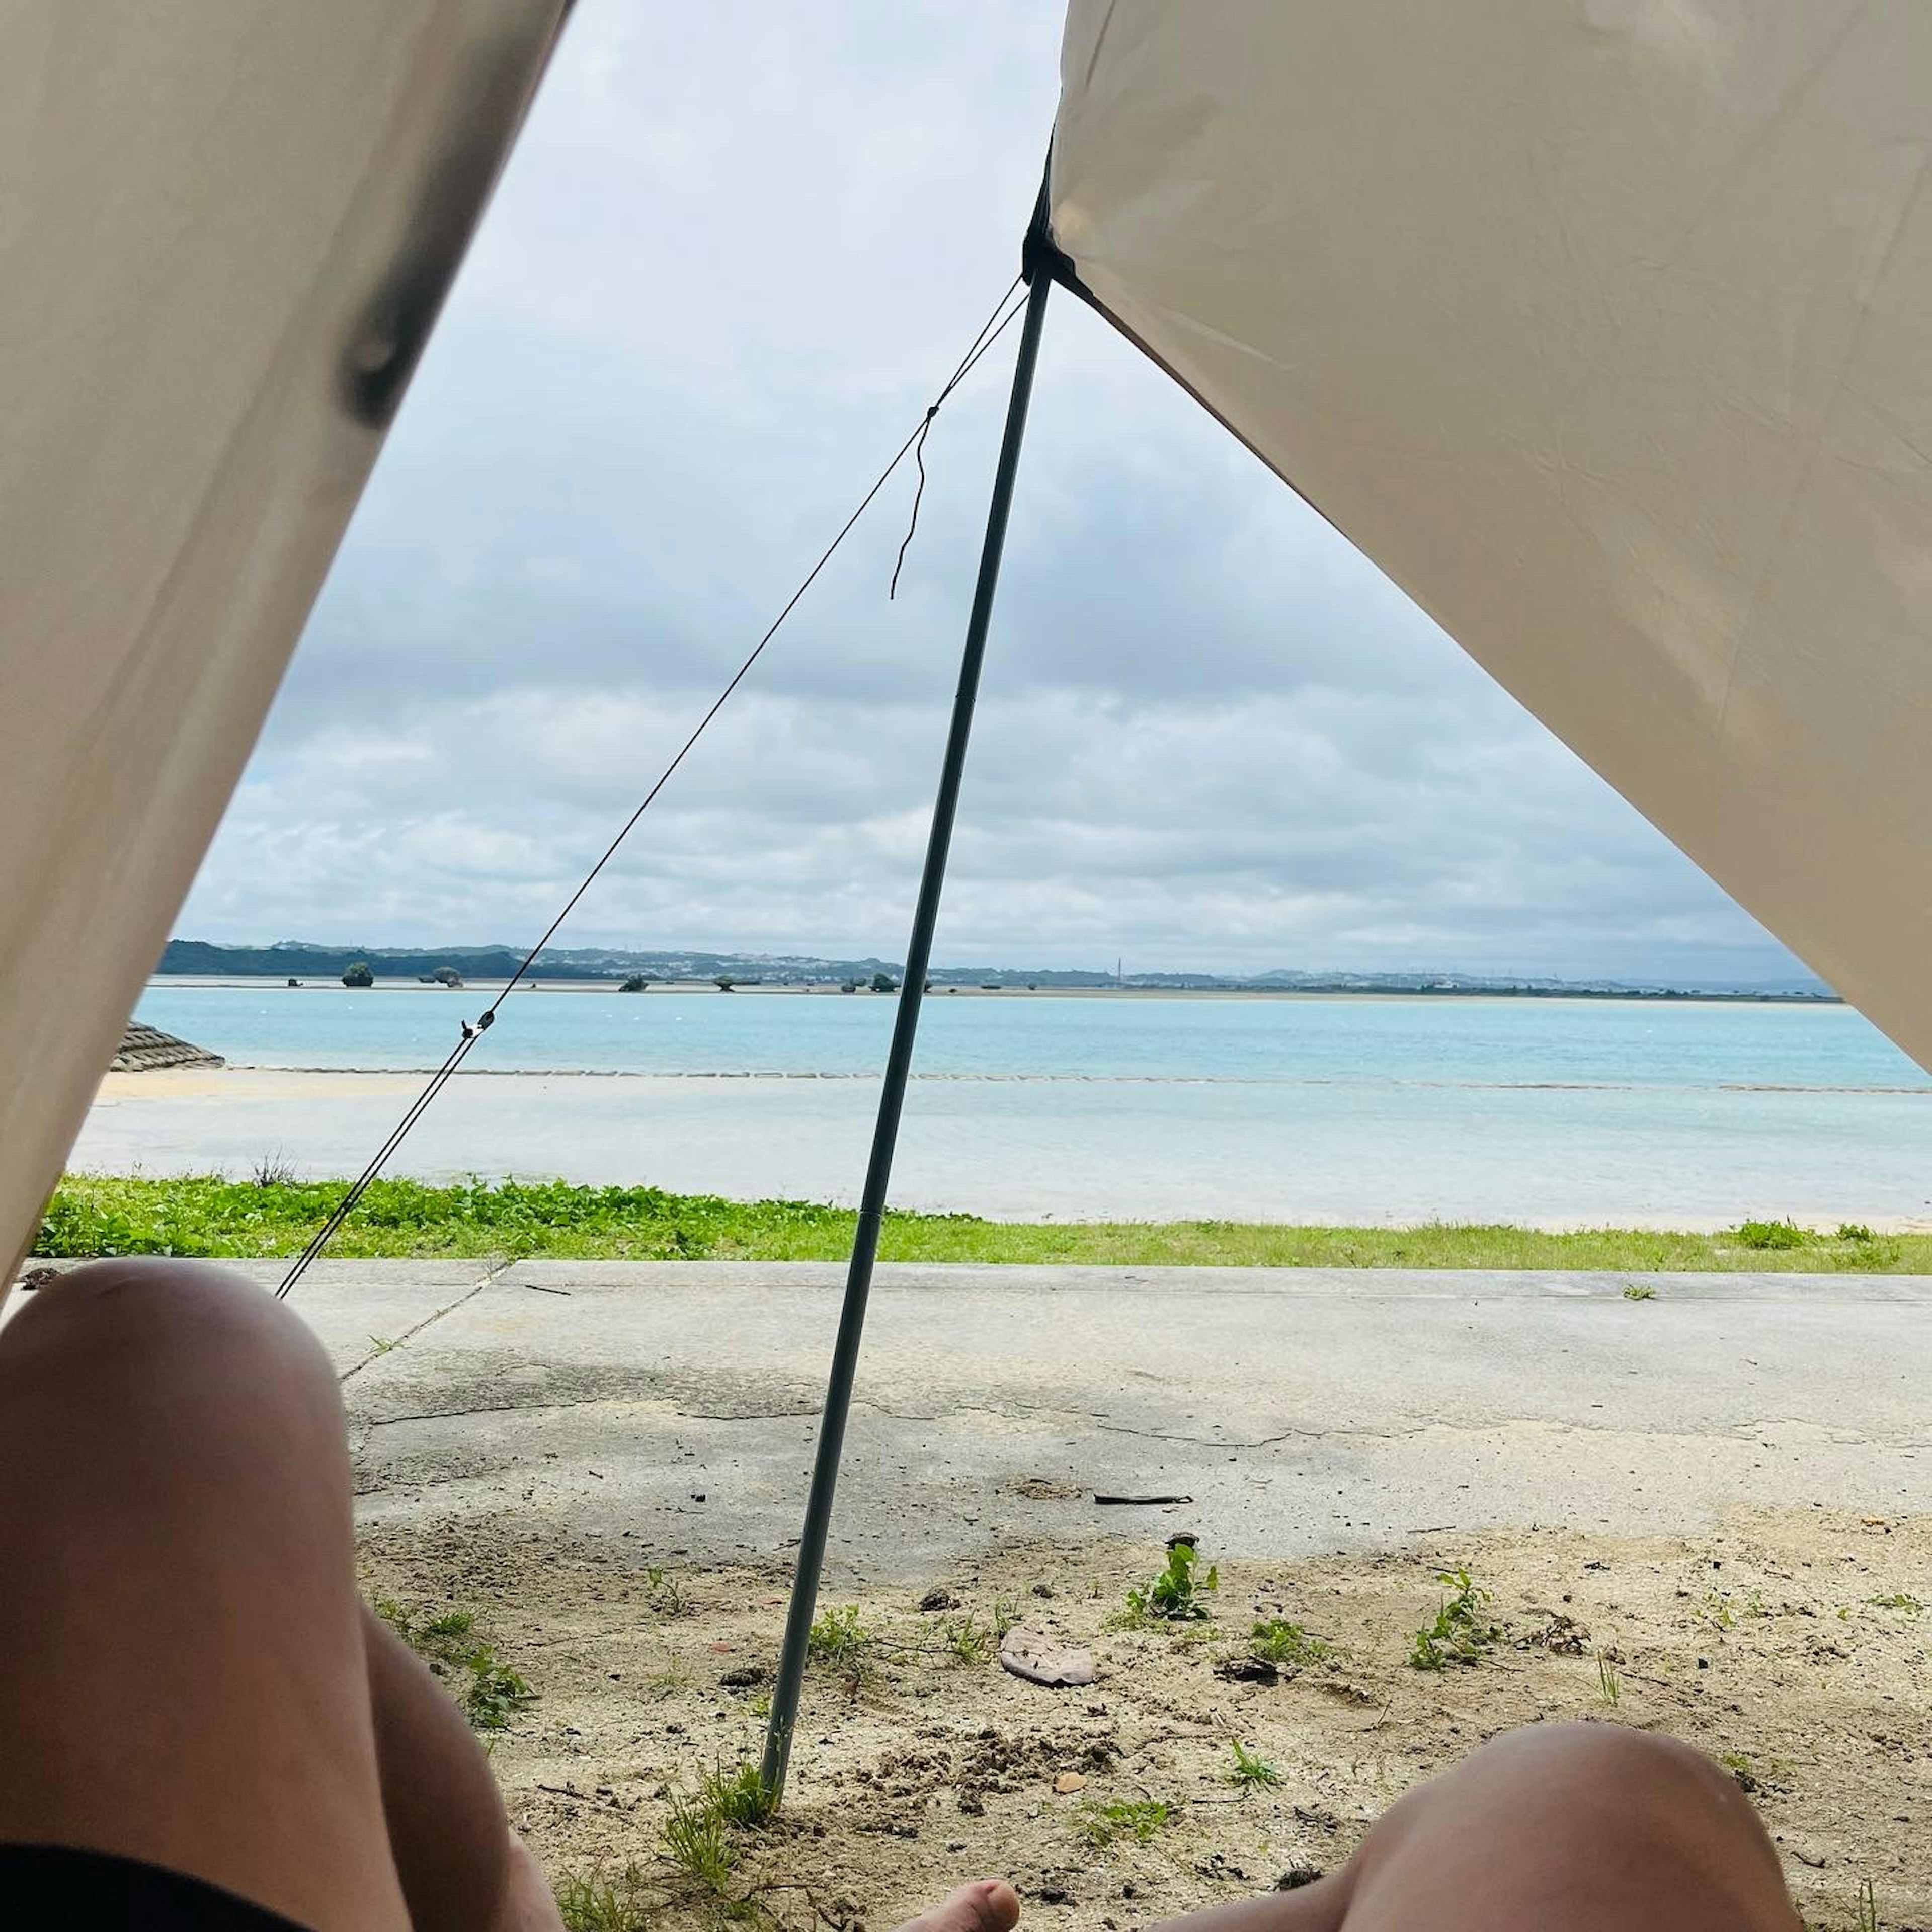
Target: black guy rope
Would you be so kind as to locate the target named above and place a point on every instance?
(994, 326)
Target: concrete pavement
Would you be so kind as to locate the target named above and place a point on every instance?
(674, 1404)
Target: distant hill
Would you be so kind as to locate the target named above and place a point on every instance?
(305, 959)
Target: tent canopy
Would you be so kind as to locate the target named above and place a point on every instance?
(225, 232)
(1604, 327)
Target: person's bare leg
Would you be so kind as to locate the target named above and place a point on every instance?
(1592, 1828)
(190, 1679)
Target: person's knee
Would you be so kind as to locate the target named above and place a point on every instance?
(140, 1349)
(160, 1307)
(1591, 1784)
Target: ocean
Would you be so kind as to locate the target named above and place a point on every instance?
(1373, 1110)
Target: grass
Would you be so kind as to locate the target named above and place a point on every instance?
(594, 1902)
(1101, 1825)
(1278, 1641)
(839, 1640)
(1459, 1634)
(1609, 1682)
(1867, 1906)
(965, 1640)
(738, 1796)
(1252, 1771)
(698, 1841)
(208, 1216)
(491, 1693)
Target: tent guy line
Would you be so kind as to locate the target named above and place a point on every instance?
(1004, 312)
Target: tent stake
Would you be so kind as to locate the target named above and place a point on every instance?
(899, 1062)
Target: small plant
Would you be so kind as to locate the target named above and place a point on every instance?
(738, 1796)
(1854, 1231)
(697, 1841)
(592, 1902)
(839, 1639)
(1716, 1610)
(1638, 1291)
(1867, 1906)
(667, 1596)
(1608, 1681)
(1252, 1771)
(495, 1693)
(761, 1706)
(1175, 1594)
(1785, 1233)
(1006, 1614)
(1459, 1634)
(491, 1693)
(383, 1344)
(1278, 1641)
(271, 1170)
(1898, 1600)
(965, 1640)
(1101, 1824)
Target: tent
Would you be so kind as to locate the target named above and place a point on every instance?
(1604, 327)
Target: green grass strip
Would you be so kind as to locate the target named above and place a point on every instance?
(206, 1215)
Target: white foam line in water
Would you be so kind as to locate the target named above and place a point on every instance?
(1101, 1079)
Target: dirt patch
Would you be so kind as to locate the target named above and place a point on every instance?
(1792, 1646)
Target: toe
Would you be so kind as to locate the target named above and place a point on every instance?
(990, 1906)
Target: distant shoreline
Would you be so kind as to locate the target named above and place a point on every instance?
(1581, 996)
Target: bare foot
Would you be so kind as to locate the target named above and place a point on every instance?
(990, 1905)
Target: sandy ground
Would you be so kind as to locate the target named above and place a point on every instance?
(1763, 1640)
(989, 1145)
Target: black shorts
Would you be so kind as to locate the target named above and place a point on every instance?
(57, 1887)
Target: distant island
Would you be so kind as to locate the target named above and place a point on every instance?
(296, 959)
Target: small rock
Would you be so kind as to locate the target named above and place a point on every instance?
(1298, 1874)
(937, 1598)
(743, 1677)
(1068, 1782)
(1054, 1894)
(1248, 1670)
(1033, 1655)
(1043, 1590)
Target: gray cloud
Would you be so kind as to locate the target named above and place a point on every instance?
(735, 252)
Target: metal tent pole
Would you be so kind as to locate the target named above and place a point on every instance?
(898, 1061)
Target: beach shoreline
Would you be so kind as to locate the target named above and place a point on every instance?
(979, 1145)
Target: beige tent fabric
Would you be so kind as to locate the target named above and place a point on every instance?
(224, 229)
(1605, 327)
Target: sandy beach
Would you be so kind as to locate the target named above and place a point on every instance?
(1074, 1149)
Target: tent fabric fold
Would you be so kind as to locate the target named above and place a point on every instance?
(1604, 328)
(225, 233)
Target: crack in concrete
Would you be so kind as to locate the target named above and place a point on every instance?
(1262, 1442)
(428, 1321)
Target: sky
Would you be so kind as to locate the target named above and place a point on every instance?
(737, 251)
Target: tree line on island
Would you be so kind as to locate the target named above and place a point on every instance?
(634, 971)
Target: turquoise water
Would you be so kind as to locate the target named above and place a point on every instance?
(1354, 1110)
(1358, 1042)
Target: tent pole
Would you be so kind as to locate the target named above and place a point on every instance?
(899, 1062)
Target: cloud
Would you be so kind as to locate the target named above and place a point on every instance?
(735, 253)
